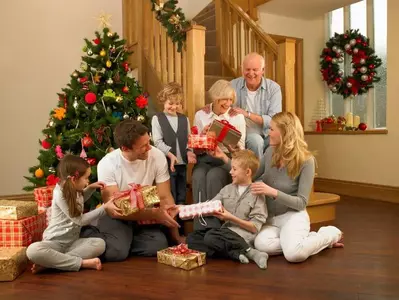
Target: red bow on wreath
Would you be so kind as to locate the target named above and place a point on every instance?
(355, 85)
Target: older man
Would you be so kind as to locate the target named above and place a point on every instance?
(258, 99)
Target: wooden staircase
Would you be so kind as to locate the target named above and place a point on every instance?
(213, 62)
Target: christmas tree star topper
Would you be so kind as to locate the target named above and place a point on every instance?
(104, 20)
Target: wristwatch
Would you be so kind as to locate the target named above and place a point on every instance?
(249, 114)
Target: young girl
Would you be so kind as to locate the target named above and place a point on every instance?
(61, 247)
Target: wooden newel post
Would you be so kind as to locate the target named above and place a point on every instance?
(195, 53)
(286, 73)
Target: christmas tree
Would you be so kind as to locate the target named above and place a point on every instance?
(99, 95)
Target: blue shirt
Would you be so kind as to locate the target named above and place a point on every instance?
(268, 99)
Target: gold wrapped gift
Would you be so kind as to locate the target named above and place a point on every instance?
(16, 209)
(138, 197)
(181, 257)
(13, 262)
(226, 133)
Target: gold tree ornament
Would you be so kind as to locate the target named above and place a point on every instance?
(104, 20)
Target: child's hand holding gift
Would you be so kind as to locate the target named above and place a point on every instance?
(191, 157)
(223, 215)
(96, 185)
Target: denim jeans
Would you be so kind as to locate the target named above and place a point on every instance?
(257, 143)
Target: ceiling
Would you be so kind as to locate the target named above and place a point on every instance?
(303, 9)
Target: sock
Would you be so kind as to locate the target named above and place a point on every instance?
(243, 259)
(260, 258)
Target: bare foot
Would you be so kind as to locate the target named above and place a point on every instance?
(37, 269)
(93, 263)
(340, 243)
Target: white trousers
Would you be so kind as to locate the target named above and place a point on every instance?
(290, 234)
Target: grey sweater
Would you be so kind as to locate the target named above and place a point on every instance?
(246, 207)
(64, 228)
(293, 194)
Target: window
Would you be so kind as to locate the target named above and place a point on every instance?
(370, 17)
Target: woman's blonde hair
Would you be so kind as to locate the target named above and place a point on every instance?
(292, 151)
(222, 89)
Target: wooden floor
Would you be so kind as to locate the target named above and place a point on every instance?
(366, 269)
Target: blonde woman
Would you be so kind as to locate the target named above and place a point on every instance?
(209, 174)
(287, 172)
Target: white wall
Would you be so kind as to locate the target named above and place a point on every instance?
(191, 8)
(312, 33)
(41, 45)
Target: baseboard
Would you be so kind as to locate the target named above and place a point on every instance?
(358, 189)
(27, 196)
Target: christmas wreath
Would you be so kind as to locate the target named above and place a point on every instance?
(364, 64)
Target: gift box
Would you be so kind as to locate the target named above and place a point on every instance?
(199, 209)
(181, 257)
(44, 196)
(47, 211)
(13, 262)
(23, 232)
(225, 133)
(202, 141)
(136, 198)
(17, 209)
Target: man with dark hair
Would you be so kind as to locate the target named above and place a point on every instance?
(135, 161)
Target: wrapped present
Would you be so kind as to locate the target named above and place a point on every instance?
(136, 198)
(13, 262)
(201, 141)
(226, 133)
(16, 209)
(44, 196)
(200, 209)
(23, 232)
(47, 211)
(181, 257)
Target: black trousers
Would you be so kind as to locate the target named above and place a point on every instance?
(125, 238)
(178, 185)
(221, 242)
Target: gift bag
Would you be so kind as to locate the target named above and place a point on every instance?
(181, 257)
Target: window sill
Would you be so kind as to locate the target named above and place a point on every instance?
(369, 131)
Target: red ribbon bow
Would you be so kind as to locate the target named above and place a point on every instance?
(227, 126)
(136, 199)
(182, 249)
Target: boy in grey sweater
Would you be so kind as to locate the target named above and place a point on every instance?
(243, 215)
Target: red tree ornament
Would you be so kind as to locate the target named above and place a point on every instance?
(125, 65)
(46, 144)
(52, 180)
(141, 101)
(92, 161)
(97, 41)
(90, 98)
(87, 141)
(125, 89)
(83, 79)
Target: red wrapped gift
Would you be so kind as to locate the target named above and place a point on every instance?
(226, 133)
(23, 232)
(201, 141)
(44, 195)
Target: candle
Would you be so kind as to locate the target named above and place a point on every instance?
(356, 121)
(349, 119)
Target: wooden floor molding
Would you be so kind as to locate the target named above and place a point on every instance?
(27, 196)
(358, 189)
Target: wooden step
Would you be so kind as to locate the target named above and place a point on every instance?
(322, 207)
(213, 68)
(205, 13)
(210, 38)
(212, 53)
(209, 80)
(209, 23)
